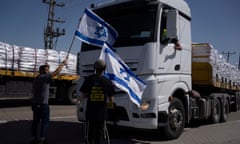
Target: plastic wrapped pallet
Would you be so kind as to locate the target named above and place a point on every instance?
(53, 59)
(40, 57)
(29, 59)
(16, 57)
(71, 65)
(222, 70)
(9, 56)
(206, 53)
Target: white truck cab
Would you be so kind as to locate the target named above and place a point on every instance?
(147, 31)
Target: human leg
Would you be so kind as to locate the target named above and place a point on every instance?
(90, 132)
(35, 123)
(36, 120)
(45, 112)
(99, 132)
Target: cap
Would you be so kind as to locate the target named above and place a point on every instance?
(99, 64)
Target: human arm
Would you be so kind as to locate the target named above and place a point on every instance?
(84, 90)
(60, 67)
(110, 102)
(177, 44)
(166, 40)
(82, 97)
(111, 97)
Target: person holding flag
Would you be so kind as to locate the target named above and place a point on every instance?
(96, 88)
(40, 102)
(99, 92)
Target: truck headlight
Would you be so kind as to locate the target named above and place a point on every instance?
(145, 104)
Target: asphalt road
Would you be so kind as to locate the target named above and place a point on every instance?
(16, 118)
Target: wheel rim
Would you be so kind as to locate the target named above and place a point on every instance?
(175, 118)
(74, 96)
(216, 112)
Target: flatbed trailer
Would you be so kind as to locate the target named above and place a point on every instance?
(18, 85)
(214, 81)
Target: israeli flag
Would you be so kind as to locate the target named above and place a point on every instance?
(94, 30)
(121, 76)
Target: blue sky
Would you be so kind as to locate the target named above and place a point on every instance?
(22, 23)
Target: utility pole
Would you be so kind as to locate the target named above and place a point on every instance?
(239, 62)
(229, 54)
(50, 32)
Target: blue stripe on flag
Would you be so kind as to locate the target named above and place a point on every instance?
(102, 22)
(123, 65)
(88, 39)
(113, 77)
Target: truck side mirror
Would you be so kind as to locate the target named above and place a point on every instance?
(172, 19)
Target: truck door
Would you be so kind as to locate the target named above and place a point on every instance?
(175, 27)
(169, 60)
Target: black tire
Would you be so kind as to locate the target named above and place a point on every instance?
(176, 120)
(225, 111)
(71, 95)
(216, 111)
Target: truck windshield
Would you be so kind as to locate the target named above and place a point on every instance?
(134, 22)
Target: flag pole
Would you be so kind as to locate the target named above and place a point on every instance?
(70, 48)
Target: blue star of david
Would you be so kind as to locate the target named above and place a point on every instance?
(100, 31)
(126, 76)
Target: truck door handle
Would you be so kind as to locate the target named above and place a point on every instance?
(177, 67)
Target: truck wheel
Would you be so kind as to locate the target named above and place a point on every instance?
(176, 119)
(216, 111)
(225, 111)
(72, 95)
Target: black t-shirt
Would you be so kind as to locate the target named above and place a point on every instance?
(98, 89)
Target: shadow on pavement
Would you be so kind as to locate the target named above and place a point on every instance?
(59, 132)
(18, 132)
(14, 103)
(26, 102)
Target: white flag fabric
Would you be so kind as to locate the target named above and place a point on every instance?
(121, 76)
(94, 30)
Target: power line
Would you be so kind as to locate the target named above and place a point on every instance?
(228, 54)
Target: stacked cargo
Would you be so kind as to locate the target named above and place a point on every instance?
(222, 71)
(27, 59)
(9, 56)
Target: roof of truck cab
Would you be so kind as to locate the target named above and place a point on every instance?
(181, 5)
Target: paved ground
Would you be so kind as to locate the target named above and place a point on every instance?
(15, 124)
